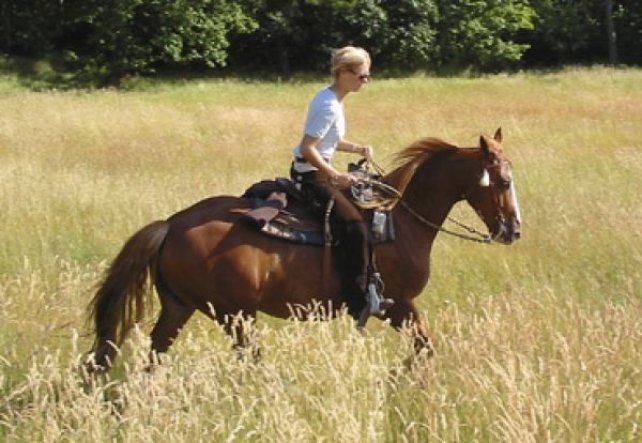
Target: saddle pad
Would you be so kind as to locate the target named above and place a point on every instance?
(300, 228)
(277, 228)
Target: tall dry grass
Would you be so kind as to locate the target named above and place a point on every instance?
(537, 342)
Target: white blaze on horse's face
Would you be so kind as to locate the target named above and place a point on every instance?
(515, 203)
(511, 218)
(484, 181)
(512, 194)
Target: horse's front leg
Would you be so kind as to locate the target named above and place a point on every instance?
(240, 326)
(404, 313)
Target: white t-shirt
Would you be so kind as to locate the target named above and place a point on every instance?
(325, 121)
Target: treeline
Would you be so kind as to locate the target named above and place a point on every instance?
(110, 39)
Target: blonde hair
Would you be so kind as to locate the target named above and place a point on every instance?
(348, 57)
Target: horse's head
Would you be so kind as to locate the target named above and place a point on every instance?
(493, 196)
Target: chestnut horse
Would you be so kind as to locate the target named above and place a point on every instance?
(205, 258)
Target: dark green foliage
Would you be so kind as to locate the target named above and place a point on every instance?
(298, 35)
(481, 33)
(138, 36)
(564, 30)
(404, 36)
(628, 25)
(29, 27)
(107, 40)
(575, 31)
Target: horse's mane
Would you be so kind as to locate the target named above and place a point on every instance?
(411, 158)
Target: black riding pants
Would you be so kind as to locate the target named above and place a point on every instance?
(354, 233)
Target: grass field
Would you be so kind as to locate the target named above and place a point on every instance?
(539, 341)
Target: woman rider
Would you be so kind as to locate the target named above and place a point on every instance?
(312, 168)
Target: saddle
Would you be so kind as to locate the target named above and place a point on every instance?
(279, 209)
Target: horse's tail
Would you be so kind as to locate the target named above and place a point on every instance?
(120, 300)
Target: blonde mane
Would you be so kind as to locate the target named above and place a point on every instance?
(412, 157)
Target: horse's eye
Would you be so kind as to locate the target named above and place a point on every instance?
(503, 184)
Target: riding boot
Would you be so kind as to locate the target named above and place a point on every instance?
(355, 266)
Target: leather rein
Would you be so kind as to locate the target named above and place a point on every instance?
(480, 238)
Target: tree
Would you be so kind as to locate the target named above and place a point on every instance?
(586, 31)
(564, 31)
(109, 39)
(138, 36)
(277, 39)
(29, 27)
(610, 32)
(627, 18)
(299, 34)
(401, 34)
(482, 33)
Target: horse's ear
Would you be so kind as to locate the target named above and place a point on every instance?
(498, 135)
(483, 144)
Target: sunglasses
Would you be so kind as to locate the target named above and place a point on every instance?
(362, 76)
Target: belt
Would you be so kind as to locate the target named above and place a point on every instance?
(302, 160)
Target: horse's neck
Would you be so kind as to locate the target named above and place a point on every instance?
(418, 223)
(432, 191)
(430, 194)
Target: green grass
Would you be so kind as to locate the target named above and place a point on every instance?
(538, 341)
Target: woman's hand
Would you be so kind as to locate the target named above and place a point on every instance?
(343, 181)
(367, 151)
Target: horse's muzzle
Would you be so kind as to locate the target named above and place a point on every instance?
(509, 231)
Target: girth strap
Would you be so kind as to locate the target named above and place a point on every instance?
(327, 247)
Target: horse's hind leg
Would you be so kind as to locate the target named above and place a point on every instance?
(172, 318)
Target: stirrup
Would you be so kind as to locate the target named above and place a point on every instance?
(376, 304)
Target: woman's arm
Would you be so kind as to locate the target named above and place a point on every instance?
(311, 155)
(363, 150)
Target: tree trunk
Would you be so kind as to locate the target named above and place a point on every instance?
(6, 43)
(282, 56)
(610, 30)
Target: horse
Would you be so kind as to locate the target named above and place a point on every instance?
(205, 258)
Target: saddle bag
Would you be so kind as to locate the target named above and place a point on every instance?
(382, 227)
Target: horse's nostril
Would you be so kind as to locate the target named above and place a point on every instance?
(517, 235)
